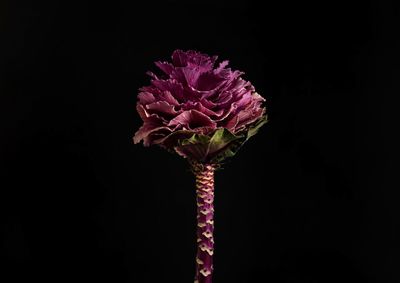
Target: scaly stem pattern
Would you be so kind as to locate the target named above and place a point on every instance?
(205, 221)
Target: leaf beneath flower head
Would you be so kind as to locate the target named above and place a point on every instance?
(229, 151)
(221, 145)
(196, 139)
(220, 141)
(194, 147)
(254, 129)
(237, 143)
(204, 148)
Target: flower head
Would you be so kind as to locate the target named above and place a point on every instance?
(202, 110)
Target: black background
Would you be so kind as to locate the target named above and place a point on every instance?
(312, 198)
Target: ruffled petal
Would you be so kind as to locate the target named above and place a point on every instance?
(182, 59)
(192, 119)
(174, 87)
(208, 81)
(151, 124)
(168, 97)
(201, 108)
(249, 116)
(166, 67)
(187, 75)
(146, 97)
(162, 107)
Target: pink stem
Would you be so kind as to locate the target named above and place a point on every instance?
(205, 222)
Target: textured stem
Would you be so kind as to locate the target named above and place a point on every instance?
(205, 222)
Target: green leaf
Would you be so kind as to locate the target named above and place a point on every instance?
(196, 139)
(236, 144)
(229, 151)
(216, 148)
(194, 147)
(220, 140)
(254, 129)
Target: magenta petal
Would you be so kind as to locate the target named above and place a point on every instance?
(191, 75)
(151, 74)
(142, 112)
(246, 99)
(179, 58)
(144, 132)
(192, 119)
(182, 59)
(168, 97)
(246, 118)
(151, 124)
(227, 113)
(146, 116)
(207, 103)
(221, 66)
(146, 97)
(199, 107)
(162, 107)
(174, 87)
(208, 81)
(166, 67)
(232, 123)
(225, 100)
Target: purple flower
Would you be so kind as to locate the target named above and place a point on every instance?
(198, 109)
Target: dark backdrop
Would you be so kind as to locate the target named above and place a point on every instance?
(312, 198)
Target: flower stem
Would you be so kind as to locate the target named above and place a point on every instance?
(205, 222)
